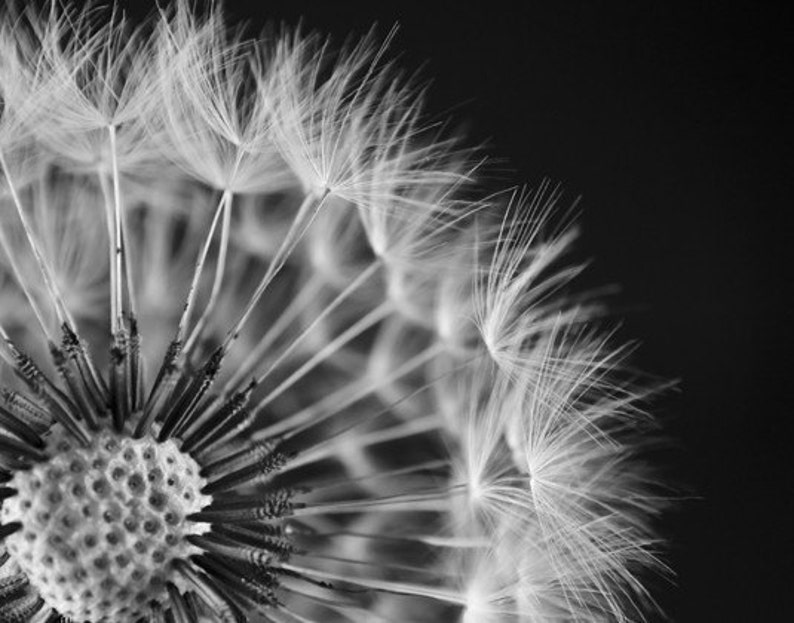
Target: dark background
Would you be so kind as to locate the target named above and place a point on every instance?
(672, 121)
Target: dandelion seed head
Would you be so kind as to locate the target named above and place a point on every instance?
(269, 352)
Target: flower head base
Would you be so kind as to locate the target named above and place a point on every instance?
(105, 507)
(266, 355)
(100, 525)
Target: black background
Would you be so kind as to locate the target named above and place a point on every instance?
(672, 121)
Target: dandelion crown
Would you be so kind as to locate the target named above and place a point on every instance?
(267, 355)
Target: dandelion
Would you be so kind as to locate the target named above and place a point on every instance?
(268, 354)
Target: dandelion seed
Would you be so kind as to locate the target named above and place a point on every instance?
(264, 358)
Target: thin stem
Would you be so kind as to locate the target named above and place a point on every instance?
(23, 285)
(190, 301)
(220, 269)
(49, 282)
(380, 566)
(131, 297)
(435, 500)
(107, 193)
(338, 300)
(478, 542)
(400, 588)
(342, 398)
(307, 292)
(306, 213)
(341, 608)
(117, 242)
(433, 466)
(356, 329)
(327, 448)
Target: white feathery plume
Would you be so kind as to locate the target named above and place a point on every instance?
(349, 124)
(98, 80)
(570, 472)
(521, 297)
(14, 86)
(323, 124)
(214, 124)
(421, 241)
(495, 489)
(577, 442)
(497, 587)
